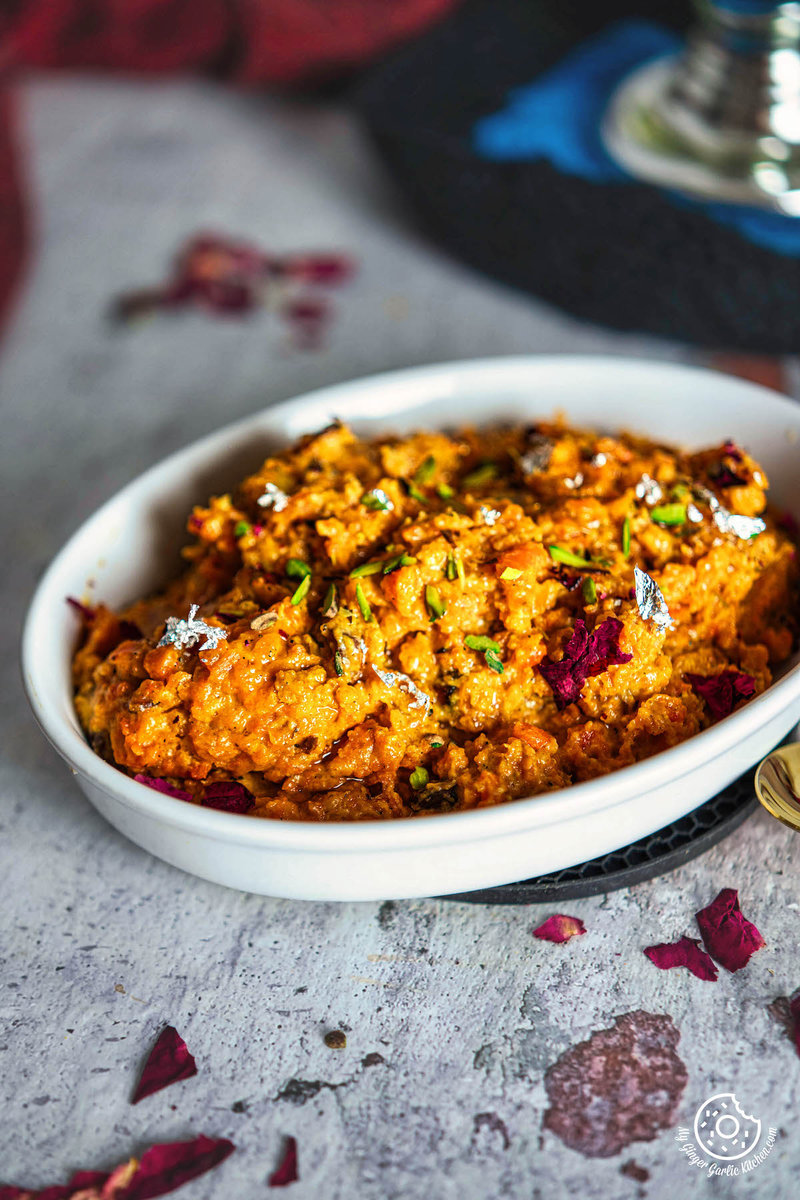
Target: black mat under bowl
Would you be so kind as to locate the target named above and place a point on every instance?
(651, 856)
(621, 254)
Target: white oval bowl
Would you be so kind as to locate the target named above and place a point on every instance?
(130, 547)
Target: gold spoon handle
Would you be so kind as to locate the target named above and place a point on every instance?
(777, 784)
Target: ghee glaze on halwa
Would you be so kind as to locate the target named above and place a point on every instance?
(438, 622)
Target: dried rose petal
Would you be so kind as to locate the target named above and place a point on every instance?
(308, 318)
(86, 614)
(168, 1062)
(788, 522)
(161, 785)
(684, 953)
(559, 928)
(794, 1009)
(167, 1166)
(330, 269)
(228, 797)
(722, 692)
(564, 577)
(585, 654)
(163, 1168)
(729, 937)
(724, 477)
(286, 1172)
(82, 1181)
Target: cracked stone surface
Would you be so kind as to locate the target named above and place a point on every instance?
(453, 1013)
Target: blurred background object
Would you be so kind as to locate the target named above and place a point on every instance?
(584, 153)
(721, 118)
(492, 124)
(252, 43)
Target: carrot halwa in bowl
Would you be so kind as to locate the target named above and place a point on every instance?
(390, 626)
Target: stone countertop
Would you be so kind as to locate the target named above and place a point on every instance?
(453, 1012)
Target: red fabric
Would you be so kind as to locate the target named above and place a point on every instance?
(13, 217)
(250, 42)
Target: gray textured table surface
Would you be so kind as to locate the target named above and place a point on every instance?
(453, 1013)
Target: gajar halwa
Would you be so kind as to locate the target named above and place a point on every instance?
(407, 625)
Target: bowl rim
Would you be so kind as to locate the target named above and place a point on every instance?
(590, 797)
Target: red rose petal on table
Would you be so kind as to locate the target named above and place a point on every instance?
(165, 1167)
(161, 785)
(162, 1169)
(81, 1183)
(286, 1172)
(308, 318)
(794, 1009)
(722, 692)
(559, 928)
(684, 953)
(729, 937)
(584, 655)
(228, 797)
(330, 269)
(168, 1062)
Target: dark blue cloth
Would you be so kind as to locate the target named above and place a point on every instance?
(558, 118)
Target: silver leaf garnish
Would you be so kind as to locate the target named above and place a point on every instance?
(650, 599)
(693, 513)
(273, 498)
(649, 490)
(728, 522)
(188, 632)
(599, 460)
(381, 498)
(576, 482)
(419, 699)
(490, 516)
(742, 527)
(537, 457)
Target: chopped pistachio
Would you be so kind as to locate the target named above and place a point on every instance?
(297, 569)
(330, 605)
(363, 605)
(444, 491)
(241, 528)
(425, 471)
(263, 621)
(494, 662)
(418, 778)
(367, 568)
(434, 602)
(669, 514)
(399, 560)
(626, 536)
(302, 590)
(482, 474)
(480, 642)
(511, 573)
(589, 590)
(560, 555)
